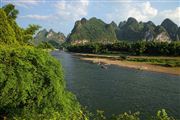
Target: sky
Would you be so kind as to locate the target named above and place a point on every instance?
(60, 15)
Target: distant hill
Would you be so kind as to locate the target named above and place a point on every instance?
(132, 30)
(54, 38)
(95, 30)
(171, 28)
(92, 30)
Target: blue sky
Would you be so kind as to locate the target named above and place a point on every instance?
(61, 15)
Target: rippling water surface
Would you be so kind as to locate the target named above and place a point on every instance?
(118, 89)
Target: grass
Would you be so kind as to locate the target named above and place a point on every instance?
(157, 61)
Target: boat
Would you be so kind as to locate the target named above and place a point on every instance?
(103, 66)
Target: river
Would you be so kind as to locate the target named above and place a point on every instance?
(119, 89)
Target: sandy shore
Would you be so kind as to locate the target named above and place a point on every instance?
(131, 64)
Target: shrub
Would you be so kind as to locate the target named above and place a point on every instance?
(45, 45)
(32, 85)
(7, 34)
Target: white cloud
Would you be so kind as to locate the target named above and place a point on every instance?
(38, 17)
(24, 3)
(172, 14)
(64, 11)
(142, 11)
(148, 11)
(72, 9)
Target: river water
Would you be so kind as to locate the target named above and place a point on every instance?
(119, 89)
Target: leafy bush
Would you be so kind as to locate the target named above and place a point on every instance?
(32, 85)
(127, 116)
(7, 34)
(138, 48)
(160, 115)
(45, 45)
(99, 115)
(55, 44)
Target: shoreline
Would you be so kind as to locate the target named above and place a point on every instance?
(115, 60)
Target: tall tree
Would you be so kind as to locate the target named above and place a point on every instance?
(10, 11)
(22, 35)
(29, 32)
(7, 34)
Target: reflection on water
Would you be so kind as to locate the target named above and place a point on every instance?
(118, 89)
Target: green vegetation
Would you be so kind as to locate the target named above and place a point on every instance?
(88, 48)
(32, 85)
(158, 61)
(171, 28)
(53, 38)
(137, 48)
(130, 30)
(93, 30)
(124, 49)
(11, 33)
(7, 34)
(45, 45)
(160, 115)
(54, 44)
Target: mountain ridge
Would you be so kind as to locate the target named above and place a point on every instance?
(52, 37)
(92, 30)
(129, 30)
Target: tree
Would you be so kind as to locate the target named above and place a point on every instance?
(7, 34)
(45, 45)
(138, 48)
(29, 32)
(22, 35)
(10, 11)
(11, 14)
(18, 31)
(32, 86)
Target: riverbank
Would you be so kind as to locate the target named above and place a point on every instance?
(116, 60)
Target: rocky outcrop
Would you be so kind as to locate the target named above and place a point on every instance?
(50, 35)
(162, 37)
(95, 30)
(92, 30)
(132, 30)
(170, 27)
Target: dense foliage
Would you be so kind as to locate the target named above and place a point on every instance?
(45, 45)
(55, 44)
(124, 49)
(130, 30)
(7, 34)
(160, 115)
(9, 27)
(137, 48)
(32, 84)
